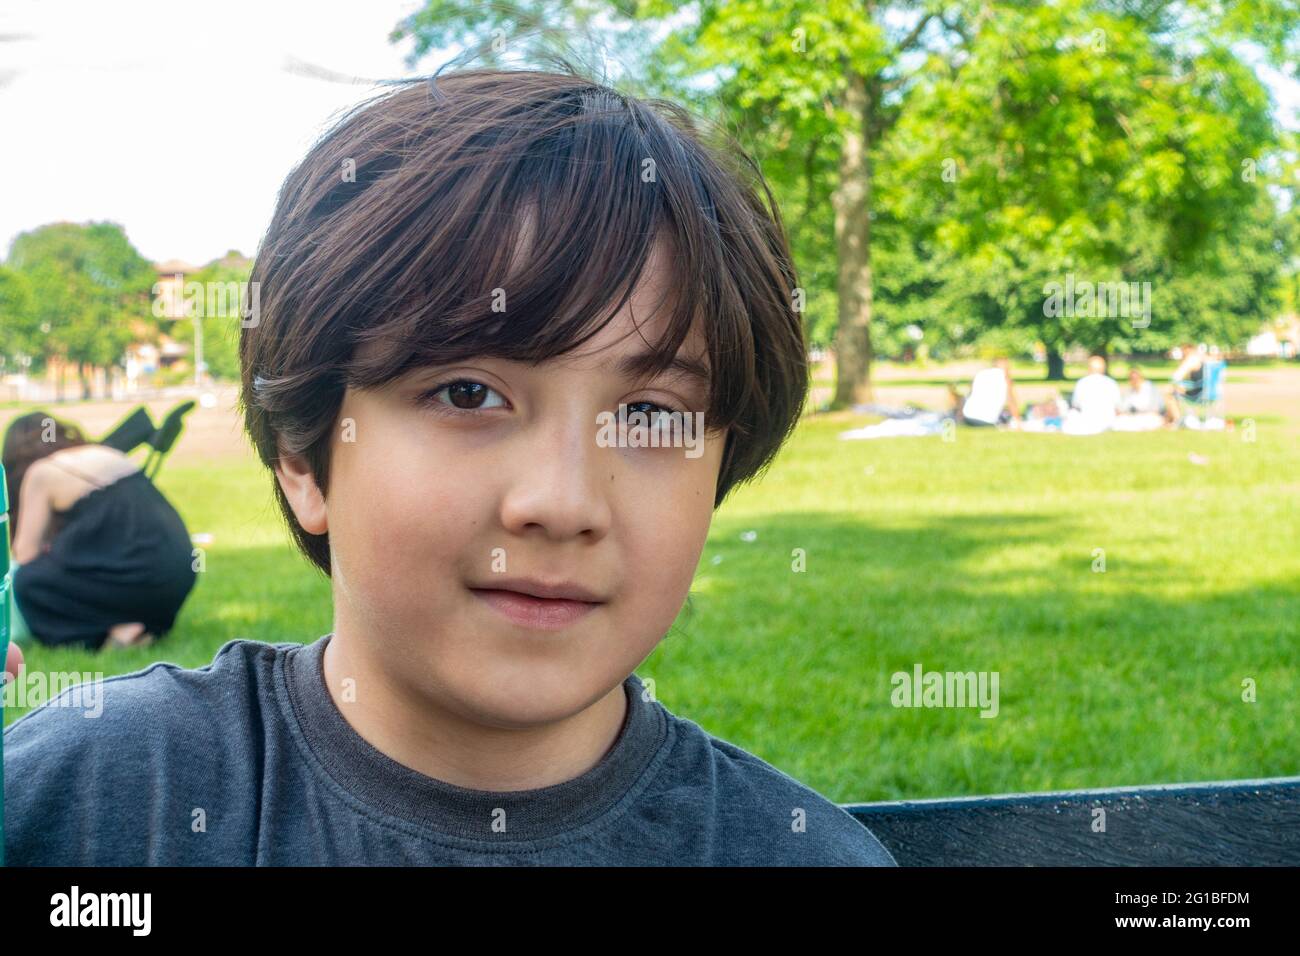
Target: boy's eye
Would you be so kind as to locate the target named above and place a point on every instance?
(652, 415)
(462, 395)
(466, 395)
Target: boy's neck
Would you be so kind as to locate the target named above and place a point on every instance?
(429, 739)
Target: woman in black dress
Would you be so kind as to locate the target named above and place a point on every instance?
(101, 558)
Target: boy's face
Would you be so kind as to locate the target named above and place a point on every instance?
(433, 490)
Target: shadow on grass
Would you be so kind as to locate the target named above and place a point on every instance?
(1106, 679)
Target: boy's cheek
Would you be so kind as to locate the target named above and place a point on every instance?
(671, 551)
(397, 534)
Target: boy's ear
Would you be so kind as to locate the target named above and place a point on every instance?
(299, 485)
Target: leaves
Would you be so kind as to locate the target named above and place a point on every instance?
(1011, 142)
(87, 286)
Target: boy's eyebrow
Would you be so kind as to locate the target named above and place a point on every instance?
(638, 365)
(633, 366)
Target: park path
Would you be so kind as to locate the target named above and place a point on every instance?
(210, 433)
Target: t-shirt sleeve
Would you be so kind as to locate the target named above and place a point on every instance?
(66, 762)
(773, 819)
(95, 775)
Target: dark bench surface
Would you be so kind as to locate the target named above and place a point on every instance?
(1226, 823)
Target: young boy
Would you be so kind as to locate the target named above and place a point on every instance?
(460, 281)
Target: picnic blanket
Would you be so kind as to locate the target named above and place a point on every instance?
(928, 423)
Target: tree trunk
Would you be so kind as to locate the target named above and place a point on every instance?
(85, 382)
(1055, 365)
(852, 203)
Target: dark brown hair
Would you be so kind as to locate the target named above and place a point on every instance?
(25, 444)
(403, 218)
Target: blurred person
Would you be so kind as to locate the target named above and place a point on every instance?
(100, 558)
(1050, 410)
(992, 397)
(1187, 381)
(1142, 408)
(1095, 401)
(1140, 396)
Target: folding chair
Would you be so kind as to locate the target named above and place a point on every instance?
(165, 437)
(1210, 400)
(131, 432)
(138, 429)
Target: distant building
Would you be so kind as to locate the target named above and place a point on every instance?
(170, 288)
(151, 351)
(1278, 339)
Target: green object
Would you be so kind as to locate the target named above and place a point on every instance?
(5, 601)
(19, 632)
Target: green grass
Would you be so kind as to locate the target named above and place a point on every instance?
(978, 555)
(252, 585)
(975, 554)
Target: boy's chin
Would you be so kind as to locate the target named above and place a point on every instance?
(517, 701)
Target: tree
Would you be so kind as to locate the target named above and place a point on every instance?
(814, 83)
(1094, 146)
(227, 276)
(1100, 136)
(88, 283)
(19, 333)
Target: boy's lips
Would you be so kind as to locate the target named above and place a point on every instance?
(551, 590)
(542, 605)
(547, 614)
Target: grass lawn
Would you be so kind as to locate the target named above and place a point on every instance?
(971, 555)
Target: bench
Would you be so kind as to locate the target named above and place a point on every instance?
(1227, 823)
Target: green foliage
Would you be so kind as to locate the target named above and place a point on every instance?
(88, 285)
(18, 328)
(1012, 143)
(500, 33)
(221, 331)
(1074, 140)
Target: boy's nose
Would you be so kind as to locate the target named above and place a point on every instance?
(561, 481)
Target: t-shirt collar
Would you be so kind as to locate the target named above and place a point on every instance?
(394, 788)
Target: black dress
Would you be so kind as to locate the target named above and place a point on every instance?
(121, 554)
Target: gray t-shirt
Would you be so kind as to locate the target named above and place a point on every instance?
(248, 761)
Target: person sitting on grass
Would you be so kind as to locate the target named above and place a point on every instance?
(446, 344)
(1095, 401)
(992, 397)
(1141, 398)
(1187, 381)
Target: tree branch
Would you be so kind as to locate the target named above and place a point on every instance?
(910, 40)
(957, 28)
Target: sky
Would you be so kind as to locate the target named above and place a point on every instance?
(179, 119)
(176, 119)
